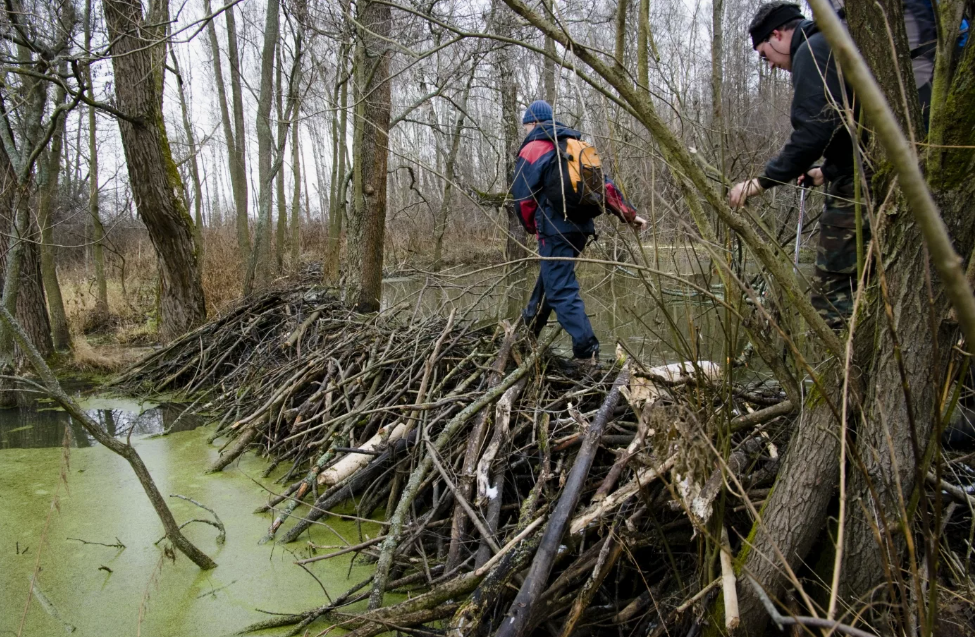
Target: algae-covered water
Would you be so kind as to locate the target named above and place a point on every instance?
(102, 591)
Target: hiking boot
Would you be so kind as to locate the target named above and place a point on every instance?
(578, 367)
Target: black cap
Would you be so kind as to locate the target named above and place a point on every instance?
(782, 14)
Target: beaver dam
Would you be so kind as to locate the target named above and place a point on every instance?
(511, 490)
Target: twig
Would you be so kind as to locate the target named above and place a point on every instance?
(784, 620)
(118, 543)
(216, 523)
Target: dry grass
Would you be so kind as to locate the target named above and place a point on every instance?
(132, 285)
(111, 357)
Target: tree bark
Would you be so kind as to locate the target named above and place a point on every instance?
(153, 176)
(98, 230)
(622, 6)
(516, 238)
(336, 200)
(31, 305)
(367, 223)
(548, 61)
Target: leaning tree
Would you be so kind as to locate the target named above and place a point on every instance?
(138, 50)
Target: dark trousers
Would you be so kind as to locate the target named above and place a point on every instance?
(557, 289)
(835, 283)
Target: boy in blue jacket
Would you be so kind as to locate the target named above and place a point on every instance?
(558, 236)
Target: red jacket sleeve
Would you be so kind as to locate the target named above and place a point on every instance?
(617, 204)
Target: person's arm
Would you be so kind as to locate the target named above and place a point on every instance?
(527, 184)
(814, 122)
(619, 206)
(814, 118)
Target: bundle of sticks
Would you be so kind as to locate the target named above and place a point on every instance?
(514, 496)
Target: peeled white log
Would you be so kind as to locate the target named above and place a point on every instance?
(354, 461)
(677, 373)
(728, 583)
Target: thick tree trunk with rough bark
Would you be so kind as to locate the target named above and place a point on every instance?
(902, 347)
(367, 223)
(31, 304)
(153, 176)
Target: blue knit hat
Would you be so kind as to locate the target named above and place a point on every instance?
(538, 111)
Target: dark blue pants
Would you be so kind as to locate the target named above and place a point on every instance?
(557, 289)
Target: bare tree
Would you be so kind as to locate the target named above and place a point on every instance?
(49, 171)
(367, 222)
(137, 56)
(94, 213)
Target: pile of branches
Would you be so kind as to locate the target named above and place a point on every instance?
(492, 468)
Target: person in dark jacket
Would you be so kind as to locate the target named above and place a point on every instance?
(784, 38)
(559, 237)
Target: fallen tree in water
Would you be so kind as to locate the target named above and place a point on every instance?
(482, 457)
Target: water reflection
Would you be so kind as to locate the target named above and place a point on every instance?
(42, 424)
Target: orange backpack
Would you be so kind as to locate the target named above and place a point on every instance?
(574, 185)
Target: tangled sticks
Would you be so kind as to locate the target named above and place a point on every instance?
(491, 449)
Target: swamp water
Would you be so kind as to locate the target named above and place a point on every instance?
(102, 590)
(617, 300)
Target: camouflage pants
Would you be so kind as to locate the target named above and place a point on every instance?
(834, 285)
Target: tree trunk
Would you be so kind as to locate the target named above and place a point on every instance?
(295, 242)
(367, 223)
(282, 226)
(194, 169)
(257, 266)
(49, 171)
(548, 62)
(622, 6)
(31, 305)
(337, 190)
(240, 147)
(235, 142)
(153, 177)
(643, 46)
(98, 230)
